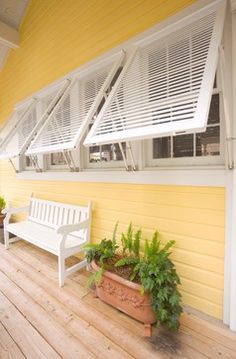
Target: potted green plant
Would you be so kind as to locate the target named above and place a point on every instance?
(2, 206)
(141, 282)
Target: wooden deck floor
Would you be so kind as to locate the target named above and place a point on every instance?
(40, 320)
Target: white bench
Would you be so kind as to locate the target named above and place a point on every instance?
(61, 229)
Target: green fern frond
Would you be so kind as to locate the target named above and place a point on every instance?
(126, 261)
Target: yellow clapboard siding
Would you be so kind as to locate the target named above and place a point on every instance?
(211, 279)
(200, 303)
(209, 232)
(59, 36)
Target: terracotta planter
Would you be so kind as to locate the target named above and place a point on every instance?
(126, 296)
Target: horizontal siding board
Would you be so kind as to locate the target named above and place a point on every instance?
(208, 278)
(200, 303)
(183, 228)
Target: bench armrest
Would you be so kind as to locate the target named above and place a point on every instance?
(13, 210)
(68, 228)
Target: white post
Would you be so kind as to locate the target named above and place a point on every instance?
(232, 322)
(61, 269)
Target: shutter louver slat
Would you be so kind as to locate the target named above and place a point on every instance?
(27, 120)
(68, 123)
(167, 86)
(7, 128)
(26, 126)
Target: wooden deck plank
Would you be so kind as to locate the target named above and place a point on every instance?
(216, 333)
(26, 336)
(211, 347)
(91, 338)
(33, 275)
(112, 330)
(58, 336)
(134, 326)
(121, 319)
(8, 348)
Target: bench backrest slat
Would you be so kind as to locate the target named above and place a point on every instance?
(55, 214)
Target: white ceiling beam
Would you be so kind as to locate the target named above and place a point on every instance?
(9, 36)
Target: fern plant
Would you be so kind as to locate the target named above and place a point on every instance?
(103, 250)
(158, 276)
(152, 266)
(2, 203)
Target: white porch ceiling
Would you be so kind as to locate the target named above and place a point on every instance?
(11, 15)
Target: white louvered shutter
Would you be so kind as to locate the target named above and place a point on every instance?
(26, 121)
(68, 122)
(7, 127)
(26, 124)
(165, 87)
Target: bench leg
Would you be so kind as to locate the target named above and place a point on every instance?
(61, 270)
(6, 239)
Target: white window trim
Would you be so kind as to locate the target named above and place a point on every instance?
(57, 88)
(215, 177)
(191, 160)
(115, 61)
(103, 132)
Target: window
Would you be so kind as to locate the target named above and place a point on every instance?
(45, 103)
(195, 149)
(165, 86)
(17, 139)
(69, 120)
(8, 127)
(104, 156)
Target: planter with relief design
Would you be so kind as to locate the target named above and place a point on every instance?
(125, 296)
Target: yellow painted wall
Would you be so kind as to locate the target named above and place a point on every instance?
(60, 35)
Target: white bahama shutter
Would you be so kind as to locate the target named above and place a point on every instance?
(26, 124)
(25, 118)
(70, 118)
(7, 127)
(166, 84)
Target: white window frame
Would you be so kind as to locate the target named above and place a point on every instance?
(48, 166)
(114, 61)
(104, 133)
(55, 89)
(191, 160)
(112, 165)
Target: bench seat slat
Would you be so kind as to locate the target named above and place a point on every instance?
(42, 236)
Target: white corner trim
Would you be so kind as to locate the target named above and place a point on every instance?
(9, 36)
(231, 241)
(194, 177)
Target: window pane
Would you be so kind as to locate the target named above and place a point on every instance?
(106, 153)
(215, 82)
(28, 162)
(214, 113)
(183, 146)
(208, 143)
(57, 159)
(162, 147)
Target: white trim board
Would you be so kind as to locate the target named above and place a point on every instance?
(230, 241)
(194, 177)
